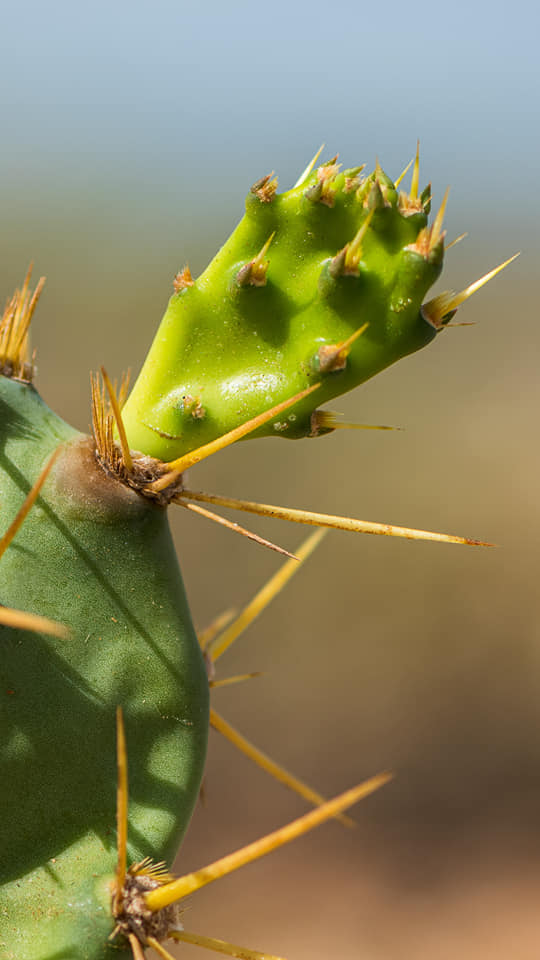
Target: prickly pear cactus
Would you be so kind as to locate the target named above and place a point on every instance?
(321, 284)
(98, 558)
(317, 289)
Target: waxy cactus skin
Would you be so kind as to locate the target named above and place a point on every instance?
(291, 284)
(97, 556)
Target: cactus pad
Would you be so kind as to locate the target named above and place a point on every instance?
(321, 284)
(98, 557)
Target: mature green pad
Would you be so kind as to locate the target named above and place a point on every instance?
(228, 350)
(98, 557)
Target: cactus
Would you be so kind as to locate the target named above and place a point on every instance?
(321, 284)
(317, 289)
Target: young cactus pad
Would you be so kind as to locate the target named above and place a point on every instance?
(317, 290)
(321, 284)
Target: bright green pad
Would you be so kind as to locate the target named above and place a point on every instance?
(226, 352)
(98, 557)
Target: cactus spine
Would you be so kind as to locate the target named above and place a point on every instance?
(317, 289)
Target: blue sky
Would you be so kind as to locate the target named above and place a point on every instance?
(131, 92)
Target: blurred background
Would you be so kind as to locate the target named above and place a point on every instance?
(131, 134)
